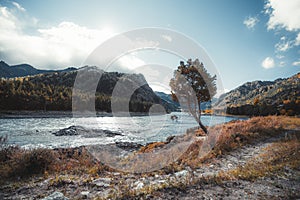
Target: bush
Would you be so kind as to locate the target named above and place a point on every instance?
(17, 162)
(35, 161)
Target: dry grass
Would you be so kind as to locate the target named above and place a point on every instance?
(150, 147)
(274, 160)
(225, 138)
(18, 163)
(233, 135)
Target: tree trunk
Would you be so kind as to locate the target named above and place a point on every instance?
(203, 127)
(199, 117)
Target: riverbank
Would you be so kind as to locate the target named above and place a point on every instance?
(225, 172)
(60, 114)
(12, 114)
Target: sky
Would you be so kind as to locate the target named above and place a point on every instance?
(246, 40)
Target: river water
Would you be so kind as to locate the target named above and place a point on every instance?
(38, 132)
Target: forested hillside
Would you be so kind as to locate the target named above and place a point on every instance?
(53, 91)
(281, 96)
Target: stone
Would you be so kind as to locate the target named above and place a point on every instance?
(181, 174)
(56, 196)
(102, 182)
(85, 194)
(72, 130)
(138, 185)
(128, 146)
(79, 130)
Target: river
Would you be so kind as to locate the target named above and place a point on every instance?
(38, 132)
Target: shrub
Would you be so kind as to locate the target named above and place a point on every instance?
(36, 161)
(17, 162)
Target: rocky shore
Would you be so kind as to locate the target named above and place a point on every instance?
(79, 130)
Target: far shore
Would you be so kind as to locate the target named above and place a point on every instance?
(226, 115)
(61, 114)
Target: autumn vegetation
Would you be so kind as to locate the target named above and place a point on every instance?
(236, 134)
(53, 92)
(262, 98)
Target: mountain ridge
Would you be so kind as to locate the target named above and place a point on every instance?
(20, 70)
(28, 88)
(281, 96)
(168, 102)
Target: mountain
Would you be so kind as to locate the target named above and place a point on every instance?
(53, 91)
(7, 71)
(174, 106)
(167, 102)
(281, 96)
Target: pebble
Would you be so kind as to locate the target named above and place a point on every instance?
(102, 182)
(181, 174)
(85, 194)
(56, 196)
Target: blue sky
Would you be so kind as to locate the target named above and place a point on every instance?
(247, 40)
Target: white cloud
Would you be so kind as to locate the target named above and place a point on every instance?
(160, 88)
(8, 21)
(18, 6)
(167, 37)
(282, 64)
(296, 63)
(284, 45)
(58, 46)
(283, 14)
(221, 91)
(268, 63)
(250, 22)
(279, 56)
(297, 42)
(130, 62)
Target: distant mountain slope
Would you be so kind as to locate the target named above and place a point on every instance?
(173, 106)
(53, 91)
(168, 102)
(281, 96)
(7, 71)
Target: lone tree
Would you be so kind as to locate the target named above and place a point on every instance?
(191, 86)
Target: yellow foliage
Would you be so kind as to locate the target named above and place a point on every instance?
(208, 111)
(255, 101)
(150, 147)
(286, 101)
